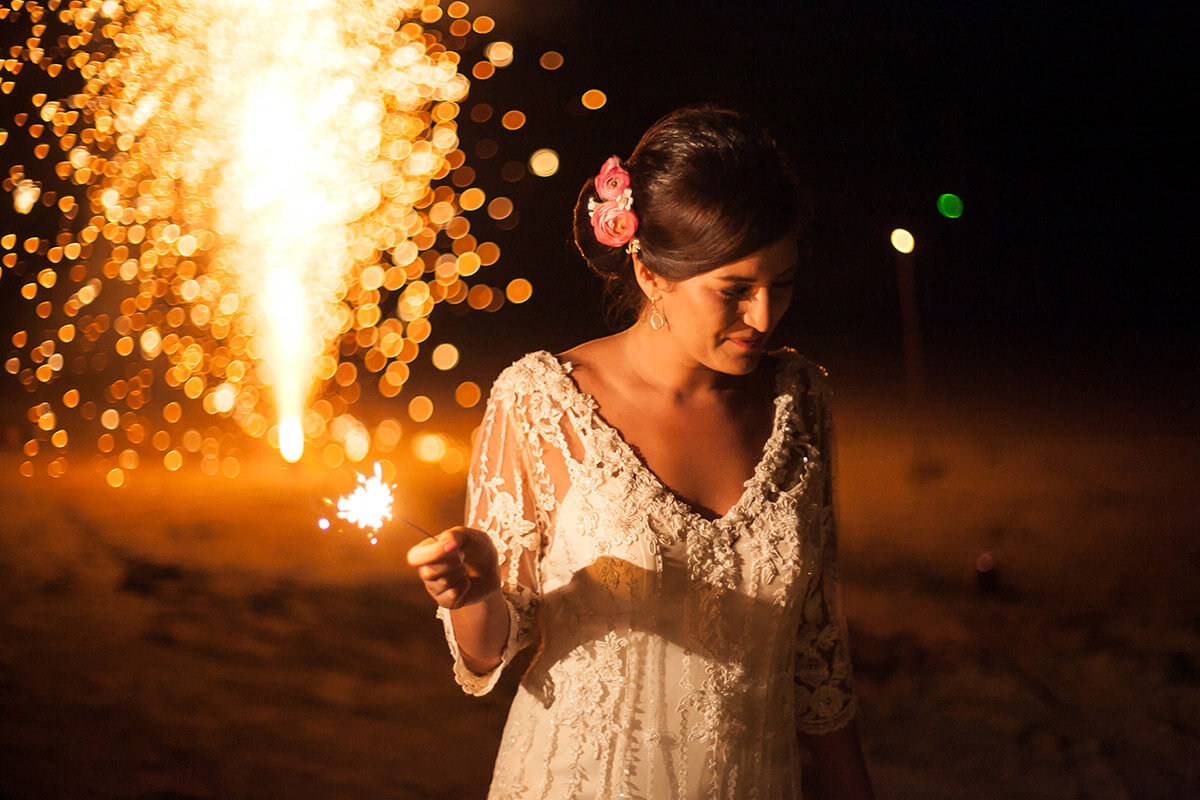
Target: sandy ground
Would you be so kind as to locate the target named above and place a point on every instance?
(195, 637)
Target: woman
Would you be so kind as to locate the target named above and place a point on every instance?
(656, 506)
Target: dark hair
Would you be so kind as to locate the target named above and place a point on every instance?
(710, 186)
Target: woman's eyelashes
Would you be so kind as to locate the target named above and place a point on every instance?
(746, 291)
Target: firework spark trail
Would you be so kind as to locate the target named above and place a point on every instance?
(261, 176)
(298, 129)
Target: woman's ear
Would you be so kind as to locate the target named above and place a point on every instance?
(652, 285)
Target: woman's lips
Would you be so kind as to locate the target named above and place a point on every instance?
(747, 342)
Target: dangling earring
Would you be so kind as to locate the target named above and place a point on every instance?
(657, 320)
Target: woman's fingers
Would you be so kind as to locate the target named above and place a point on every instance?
(447, 590)
(441, 547)
(458, 566)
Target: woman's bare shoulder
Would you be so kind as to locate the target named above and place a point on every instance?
(594, 364)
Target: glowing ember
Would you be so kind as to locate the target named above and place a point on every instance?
(369, 505)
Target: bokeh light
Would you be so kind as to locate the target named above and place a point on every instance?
(499, 54)
(243, 194)
(950, 205)
(902, 240)
(593, 99)
(444, 356)
(518, 290)
(543, 162)
(467, 394)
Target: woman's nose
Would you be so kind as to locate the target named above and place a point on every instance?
(758, 311)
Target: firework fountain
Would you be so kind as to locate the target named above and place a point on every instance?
(256, 179)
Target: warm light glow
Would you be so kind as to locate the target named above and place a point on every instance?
(429, 447)
(519, 290)
(512, 120)
(246, 191)
(370, 504)
(25, 194)
(544, 162)
(593, 99)
(902, 240)
(499, 53)
(420, 408)
(291, 438)
(467, 394)
(445, 356)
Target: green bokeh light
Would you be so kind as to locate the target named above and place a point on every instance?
(950, 205)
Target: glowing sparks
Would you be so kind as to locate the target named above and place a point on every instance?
(291, 438)
(244, 188)
(369, 506)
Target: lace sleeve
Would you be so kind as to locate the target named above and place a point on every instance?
(502, 494)
(824, 692)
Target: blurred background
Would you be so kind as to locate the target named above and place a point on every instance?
(1019, 540)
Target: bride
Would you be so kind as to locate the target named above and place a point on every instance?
(655, 507)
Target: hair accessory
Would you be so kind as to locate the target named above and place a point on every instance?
(613, 220)
(657, 320)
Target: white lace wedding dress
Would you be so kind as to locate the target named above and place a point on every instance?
(679, 654)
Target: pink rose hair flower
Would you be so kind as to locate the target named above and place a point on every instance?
(614, 226)
(613, 220)
(612, 180)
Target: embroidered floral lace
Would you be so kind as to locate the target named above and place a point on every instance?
(679, 654)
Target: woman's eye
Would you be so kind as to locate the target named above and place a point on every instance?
(740, 293)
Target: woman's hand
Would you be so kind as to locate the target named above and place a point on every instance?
(459, 566)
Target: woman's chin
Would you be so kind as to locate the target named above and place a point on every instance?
(739, 363)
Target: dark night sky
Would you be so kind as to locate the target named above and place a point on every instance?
(1060, 125)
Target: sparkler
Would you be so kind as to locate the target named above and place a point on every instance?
(252, 182)
(369, 506)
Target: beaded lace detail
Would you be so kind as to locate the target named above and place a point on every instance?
(678, 654)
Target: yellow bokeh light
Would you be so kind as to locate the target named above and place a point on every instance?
(500, 208)
(499, 53)
(472, 199)
(513, 120)
(429, 447)
(543, 162)
(903, 241)
(420, 408)
(480, 297)
(593, 99)
(467, 394)
(387, 435)
(444, 356)
(519, 290)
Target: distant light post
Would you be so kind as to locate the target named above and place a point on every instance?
(914, 379)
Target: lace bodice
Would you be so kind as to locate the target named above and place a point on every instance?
(679, 654)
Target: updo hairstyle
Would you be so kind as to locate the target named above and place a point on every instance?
(710, 187)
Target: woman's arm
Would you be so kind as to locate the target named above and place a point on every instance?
(841, 770)
(461, 572)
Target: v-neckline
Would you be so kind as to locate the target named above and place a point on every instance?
(782, 400)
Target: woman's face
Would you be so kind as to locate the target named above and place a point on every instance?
(722, 318)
